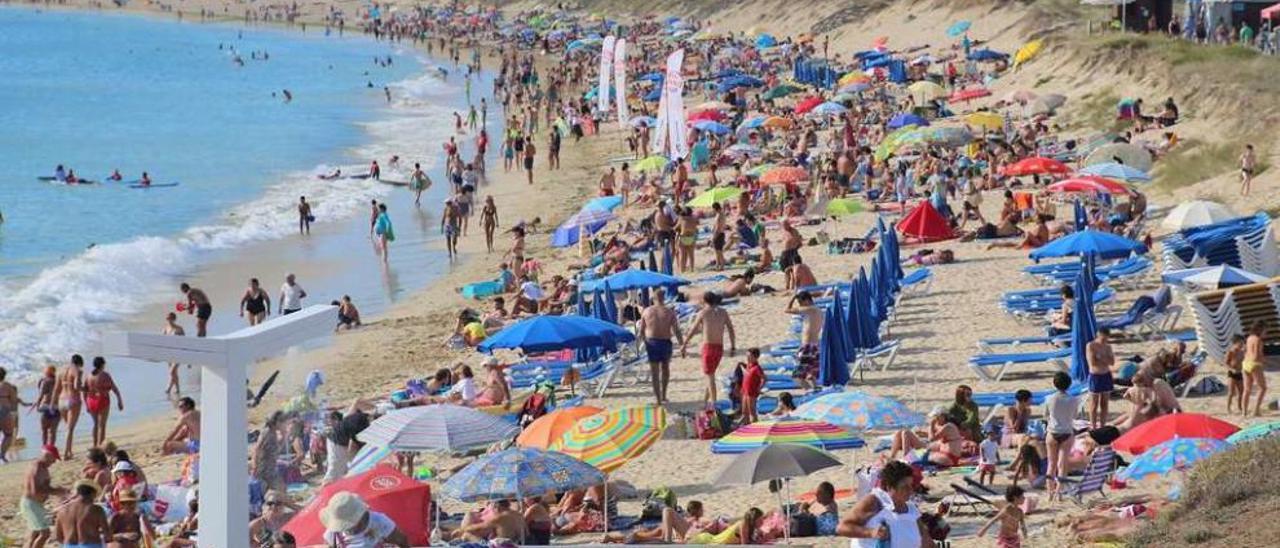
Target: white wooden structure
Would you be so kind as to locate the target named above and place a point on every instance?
(223, 361)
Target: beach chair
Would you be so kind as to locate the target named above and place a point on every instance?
(987, 346)
(1101, 464)
(881, 356)
(917, 282)
(964, 498)
(980, 363)
(1131, 322)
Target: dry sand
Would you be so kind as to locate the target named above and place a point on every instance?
(938, 331)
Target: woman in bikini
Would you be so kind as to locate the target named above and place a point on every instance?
(97, 398)
(69, 394)
(943, 447)
(489, 220)
(47, 405)
(1252, 366)
(255, 302)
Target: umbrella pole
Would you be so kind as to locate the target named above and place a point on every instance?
(786, 529)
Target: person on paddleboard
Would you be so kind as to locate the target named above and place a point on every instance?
(146, 179)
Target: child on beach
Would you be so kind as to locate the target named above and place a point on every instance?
(1235, 377)
(988, 457)
(1252, 366)
(752, 385)
(1011, 518)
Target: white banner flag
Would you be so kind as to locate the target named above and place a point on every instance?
(620, 79)
(606, 68)
(674, 87)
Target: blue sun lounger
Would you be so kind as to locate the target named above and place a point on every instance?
(987, 346)
(982, 362)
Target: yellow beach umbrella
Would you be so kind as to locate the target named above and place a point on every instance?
(714, 196)
(839, 207)
(989, 121)
(652, 163)
(854, 77)
(923, 92)
(1027, 51)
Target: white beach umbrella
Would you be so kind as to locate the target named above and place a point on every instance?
(1196, 213)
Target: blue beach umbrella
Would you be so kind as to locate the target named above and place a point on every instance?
(547, 333)
(987, 55)
(895, 252)
(1255, 432)
(1117, 171)
(904, 119)
(1104, 245)
(1082, 218)
(1083, 328)
(633, 278)
(1177, 454)
(610, 304)
(598, 309)
(520, 473)
(752, 123)
(668, 262)
(841, 328)
(833, 370)
(852, 318)
(829, 109)
(653, 96)
(603, 203)
(711, 126)
(766, 41)
(958, 28)
(859, 411)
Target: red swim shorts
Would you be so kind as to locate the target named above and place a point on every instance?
(711, 355)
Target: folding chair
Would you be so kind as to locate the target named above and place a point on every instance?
(1101, 464)
(968, 499)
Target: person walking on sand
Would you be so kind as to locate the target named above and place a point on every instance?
(9, 402)
(198, 304)
(714, 321)
(70, 394)
(304, 216)
(656, 326)
(256, 302)
(36, 490)
(553, 149)
(291, 295)
(418, 182)
(172, 328)
(47, 406)
(489, 220)
(1252, 366)
(451, 226)
(1011, 519)
(184, 438)
(98, 389)
(382, 228)
(529, 154)
(1101, 358)
(1248, 163)
(802, 304)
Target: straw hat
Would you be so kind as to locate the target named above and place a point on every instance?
(343, 511)
(127, 495)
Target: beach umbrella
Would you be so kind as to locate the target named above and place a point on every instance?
(774, 461)
(869, 321)
(1027, 51)
(652, 163)
(752, 123)
(610, 304)
(989, 121)
(742, 150)
(710, 126)
(1083, 328)
(519, 473)
(611, 438)
(1197, 213)
(924, 91)
(384, 489)
(852, 89)
(549, 428)
(599, 310)
(1116, 171)
(958, 28)
(668, 263)
(604, 203)
(844, 97)
(1035, 165)
(776, 122)
(839, 207)
(1090, 184)
(904, 119)
(1178, 454)
(588, 216)
(816, 434)
(987, 55)
(711, 115)
(440, 427)
(855, 77)
(780, 91)
(841, 334)
(1221, 277)
(1104, 245)
(713, 196)
(634, 278)
(1134, 156)
(1255, 432)
(766, 41)
(808, 104)
(829, 109)
(968, 94)
(784, 174)
(860, 412)
(1175, 425)
(760, 170)
(833, 368)
(1080, 215)
(366, 458)
(714, 105)
(547, 333)
(644, 121)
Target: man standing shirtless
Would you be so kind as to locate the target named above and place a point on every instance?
(656, 326)
(36, 490)
(198, 304)
(810, 334)
(791, 242)
(184, 439)
(70, 395)
(714, 321)
(1100, 357)
(451, 225)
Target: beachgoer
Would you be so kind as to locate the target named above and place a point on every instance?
(97, 469)
(451, 226)
(1060, 409)
(70, 396)
(489, 221)
(256, 302)
(419, 181)
(198, 303)
(886, 517)
(655, 328)
(266, 452)
(304, 216)
(1248, 164)
(1011, 519)
(291, 295)
(80, 522)
(791, 242)
(9, 402)
(348, 314)
(807, 355)
(713, 320)
(1060, 322)
(943, 445)
(1101, 359)
(35, 492)
(503, 523)
(529, 155)
(349, 523)
(799, 275)
(47, 405)
(129, 528)
(98, 388)
(184, 439)
(753, 381)
(382, 228)
(1253, 367)
(988, 457)
(1234, 363)
(496, 390)
(965, 415)
(172, 329)
(277, 510)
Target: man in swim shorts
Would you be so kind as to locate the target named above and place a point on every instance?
(185, 436)
(656, 326)
(714, 322)
(36, 490)
(198, 304)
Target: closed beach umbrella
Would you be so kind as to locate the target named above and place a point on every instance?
(1129, 154)
(1027, 52)
(668, 263)
(816, 434)
(839, 207)
(549, 428)
(1176, 425)
(1117, 171)
(784, 174)
(833, 369)
(1104, 245)
(870, 321)
(610, 303)
(441, 427)
(775, 461)
(1255, 432)
(714, 196)
(1081, 217)
(611, 438)
(519, 473)
(860, 411)
(987, 55)
(1197, 213)
(547, 333)
(1178, 454)
(1083, 328)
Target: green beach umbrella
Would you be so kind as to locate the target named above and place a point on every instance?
(780, 91)
(652, 163)
(839, 207)
(714, 196)
(1255, 432)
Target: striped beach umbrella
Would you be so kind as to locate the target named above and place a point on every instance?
(611, 438)
(440, 427)
(860, 411)
(1177, 454)
(519, 473)
(549, 428)
(1255, 432)
(813, 433)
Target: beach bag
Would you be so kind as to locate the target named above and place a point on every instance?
(804, 524)
(659, 499)
(710, 424)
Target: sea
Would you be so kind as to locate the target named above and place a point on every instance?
(202, 105)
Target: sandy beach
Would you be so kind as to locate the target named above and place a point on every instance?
(937, 330)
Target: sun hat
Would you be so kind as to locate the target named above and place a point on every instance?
(127, 495)
(343, 511)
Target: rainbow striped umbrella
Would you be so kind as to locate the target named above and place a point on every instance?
(1255, 432)
(1176, 454)
(860, 411)
(609, 439)
(821, 435)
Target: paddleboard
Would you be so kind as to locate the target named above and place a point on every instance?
(154, 185)
(55, 181)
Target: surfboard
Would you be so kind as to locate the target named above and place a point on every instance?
(154, 185)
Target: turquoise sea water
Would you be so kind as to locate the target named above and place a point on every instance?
(97, 92)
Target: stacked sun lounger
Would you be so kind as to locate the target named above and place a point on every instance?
(1223, 313)
(1246, 243)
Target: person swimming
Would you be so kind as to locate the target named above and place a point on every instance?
(115, 176)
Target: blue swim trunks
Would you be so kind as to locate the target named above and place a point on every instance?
(1100, 384)
(659, 350)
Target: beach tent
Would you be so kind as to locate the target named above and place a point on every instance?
(385, 490)
(925, 224)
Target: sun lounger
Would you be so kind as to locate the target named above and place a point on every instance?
(917, 282)
(1037, 309)
(1096, 472)
(981, 362)
(993, 399)
(987, 346)
(964, 498)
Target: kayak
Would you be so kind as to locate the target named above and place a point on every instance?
(55, 181)
(154, 185)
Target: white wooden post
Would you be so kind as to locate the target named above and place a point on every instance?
(223, 361)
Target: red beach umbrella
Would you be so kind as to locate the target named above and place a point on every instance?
(1036, 165)
(384, 489)
(1176, 425)
(808, 104)
(969, 94)
(713, 115)
(1089, 183)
